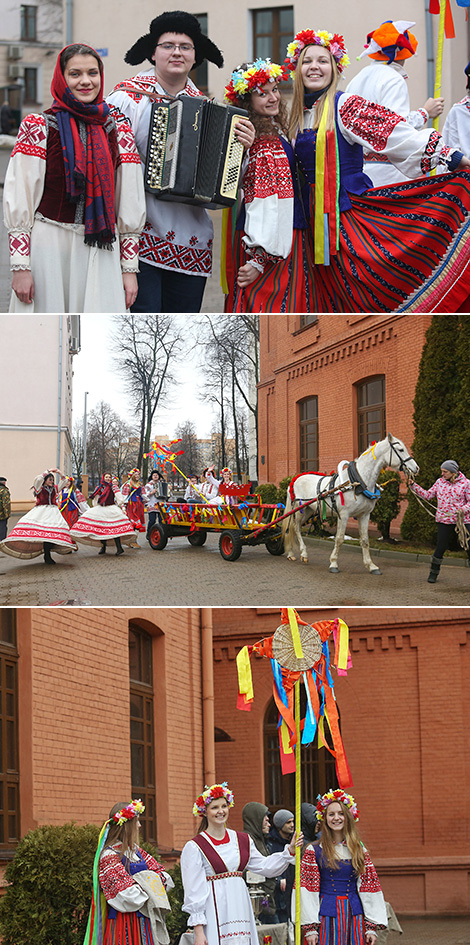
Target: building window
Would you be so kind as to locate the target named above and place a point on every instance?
(273, 29)
(28, 23)
(371, 423)
(30, 85)
(307, 318)
(199, 75)
(9, 773)
(308, 433)
(318, 772)
(142, 727)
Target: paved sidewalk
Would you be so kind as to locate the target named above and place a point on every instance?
(186, 576)
(439, 931)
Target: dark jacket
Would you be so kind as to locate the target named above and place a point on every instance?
(276, 843)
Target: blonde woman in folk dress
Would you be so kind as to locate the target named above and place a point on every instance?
(340, 894)
(74, 201)
(215, 893)
(44, 528)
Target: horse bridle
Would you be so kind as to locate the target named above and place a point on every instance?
(402, 467)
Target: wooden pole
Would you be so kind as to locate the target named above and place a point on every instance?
(439, 58)
(298, 790)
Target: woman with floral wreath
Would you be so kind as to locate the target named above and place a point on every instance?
(72, 502)
(212, 863)
(268, 264)
(43, 529)
(400, 248)
(133, 884)
(340, 894)
(133, 490)
(452, 491)
(73, 188)
(105, 521)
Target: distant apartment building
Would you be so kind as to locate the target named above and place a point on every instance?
(32, 36)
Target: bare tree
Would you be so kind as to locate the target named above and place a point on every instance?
(77, 448)
(110, 447)
(147, 348)
(189, 462)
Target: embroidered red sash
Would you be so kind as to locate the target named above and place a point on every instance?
(216, 861)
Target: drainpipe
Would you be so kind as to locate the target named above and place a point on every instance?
(208, 721)
(429, 49)
(68, 22)
(59, 392)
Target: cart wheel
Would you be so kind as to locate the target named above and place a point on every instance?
(158, 538)
(230, 545)
(196, 539)
(275, 546)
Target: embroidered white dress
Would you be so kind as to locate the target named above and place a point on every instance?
(223, 905)
(456, 130)
(386, 85)
(104, 522)
(176, 236)
(43, 523)
(69, 276)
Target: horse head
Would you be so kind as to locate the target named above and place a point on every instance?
(399, 458)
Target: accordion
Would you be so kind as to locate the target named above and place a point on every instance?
(193, 155)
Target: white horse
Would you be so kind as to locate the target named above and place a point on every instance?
(357, 500)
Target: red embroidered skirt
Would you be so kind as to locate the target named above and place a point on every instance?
(284, 286)
(402, 248)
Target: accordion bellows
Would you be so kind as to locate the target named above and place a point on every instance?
(193, 155)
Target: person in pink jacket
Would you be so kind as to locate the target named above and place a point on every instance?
(452, 491)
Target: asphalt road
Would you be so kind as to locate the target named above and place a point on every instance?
(181, 575)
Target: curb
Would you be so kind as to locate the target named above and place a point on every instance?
(389, 553)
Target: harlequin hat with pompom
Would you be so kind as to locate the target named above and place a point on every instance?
(174, 21)
(325, 800)
(333, 42)
(212, 794)
(391, 42)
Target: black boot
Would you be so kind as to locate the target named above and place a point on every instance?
(120, 549)
(435, 568)
(103, 548)
(47, 553)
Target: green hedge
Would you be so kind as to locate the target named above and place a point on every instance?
(49, 897)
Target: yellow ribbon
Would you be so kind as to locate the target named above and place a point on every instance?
(245, 679)
(320, 161)
(285, 738)
(343, 648)
(294, 627)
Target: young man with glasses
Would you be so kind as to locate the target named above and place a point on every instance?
(175, 254)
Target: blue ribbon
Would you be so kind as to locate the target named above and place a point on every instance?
(277, 673)
(310, 726)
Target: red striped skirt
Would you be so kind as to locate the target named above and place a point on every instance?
(343, 928)
(284, 286)
(402, 248)
(128, 929)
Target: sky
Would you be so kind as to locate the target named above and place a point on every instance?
(93, 372)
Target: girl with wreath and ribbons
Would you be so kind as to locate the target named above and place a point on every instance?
(401, 248)
(72, 502)
(74, 201)
(129, 901)
(43, 529)
(105, 521)
(135, 509)
(212, 864)
(266, 257)
(341, 898)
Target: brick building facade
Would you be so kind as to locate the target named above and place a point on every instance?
(99, 704)
(330, 387)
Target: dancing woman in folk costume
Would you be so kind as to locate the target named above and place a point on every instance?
(43, 529)
(267, 266)
(74, 200)
(132, 489)
(452, 491)
(210, 486)
(133, 884)
(105, 520)
(340, 894)
(72, 502)
(400, 248)
(212, 863)
(384, 81)
(218, 499)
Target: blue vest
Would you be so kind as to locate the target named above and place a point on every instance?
(351, 157)
(334, 883)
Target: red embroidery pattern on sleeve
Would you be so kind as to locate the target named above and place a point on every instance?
(32, 137)
(19, 243)
(369, 121)
(369, 881)
(113, 876)
(430, 150)
(129, 247)
(152, 863)
(268, 171)
(309, 872)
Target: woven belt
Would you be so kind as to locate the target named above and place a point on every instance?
(211, 879)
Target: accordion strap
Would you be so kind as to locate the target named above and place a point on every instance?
(154, 96)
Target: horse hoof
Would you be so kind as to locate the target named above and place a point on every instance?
(375, 571)
(333, 570)
(291, 558)
(304, 560)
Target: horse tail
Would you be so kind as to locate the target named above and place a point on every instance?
(288, 526)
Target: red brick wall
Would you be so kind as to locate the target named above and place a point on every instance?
(404, 709)
(327, 359)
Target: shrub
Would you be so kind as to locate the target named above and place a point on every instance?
(267, 491)
(177, 920)
(388, 506)
(283, 487)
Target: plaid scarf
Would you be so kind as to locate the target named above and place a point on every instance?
(88, 167)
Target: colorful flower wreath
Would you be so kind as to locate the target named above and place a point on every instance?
(127, 813)
(244, 81)
(333, 42)
(326, 799)
(212, 794)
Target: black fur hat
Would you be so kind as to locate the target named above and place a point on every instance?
(175, 21)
